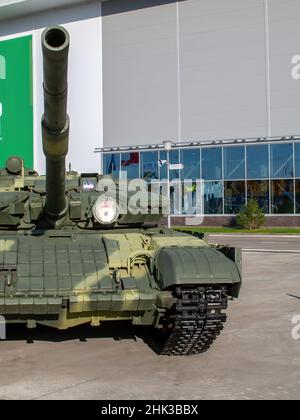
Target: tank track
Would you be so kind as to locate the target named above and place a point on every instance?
(195, 320)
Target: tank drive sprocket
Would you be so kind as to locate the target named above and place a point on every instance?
(194, 321)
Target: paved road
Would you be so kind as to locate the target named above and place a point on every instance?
(255, 356)
(273, 243)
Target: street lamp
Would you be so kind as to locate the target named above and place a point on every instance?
(168, 145)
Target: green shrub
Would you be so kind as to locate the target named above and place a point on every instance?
(251, 216)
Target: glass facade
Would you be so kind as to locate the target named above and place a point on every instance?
(149, 165)
(297, 160)
(173, 160)
(190, 159)
(259, 191)
(282, 160)
(268, 172)
(234, 162)
(213, 197)
(163, 167)
(212, 163)
(130, 164)
(282, 196)
(257, 162)
(111, 164)
(297, 196)
(234, 196)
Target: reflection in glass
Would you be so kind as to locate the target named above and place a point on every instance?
(282, 196)
(191, 164)
(162, 189)
(282, 160)
(149, 165)
(234, 196)
(297, 196)
(174, 159)
(213, 197)
(163, 166)
(212, 163)
(130, 163)
(234, 162)
(297, 159)
(189, 197)
(259, 191)
(111, 164)
(176, 197)
(257, 162)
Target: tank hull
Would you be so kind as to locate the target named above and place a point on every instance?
(63, 279)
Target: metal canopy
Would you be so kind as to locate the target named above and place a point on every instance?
(210, 143)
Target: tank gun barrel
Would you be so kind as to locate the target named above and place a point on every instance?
(55, 121)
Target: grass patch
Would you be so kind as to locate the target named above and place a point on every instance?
(225, 230)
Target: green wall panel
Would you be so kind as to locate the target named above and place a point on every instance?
(16, 110)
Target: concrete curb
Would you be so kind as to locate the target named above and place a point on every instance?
(255, 235)
(271, 251)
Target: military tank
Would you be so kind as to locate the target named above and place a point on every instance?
(68, 256)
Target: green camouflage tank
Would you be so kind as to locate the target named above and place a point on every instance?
(69, 256)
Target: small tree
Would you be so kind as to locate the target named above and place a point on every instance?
(251, 216)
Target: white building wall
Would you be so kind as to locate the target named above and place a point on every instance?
(198, 70)
(179, 70)
(85, 79)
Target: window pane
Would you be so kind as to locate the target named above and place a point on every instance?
(173, 159)
(234, 162)
(257, 162)
(234, 195)
(176, 198)
(149, 165)
(212, 163)
(297, 196)
(213, 197)
(297, 159)
(191, 164)
(189, 198)
(259, 191)
(281, 160)
(111, 164)
(282, 196)
(130, 163)
(163, 170)
(160, 188)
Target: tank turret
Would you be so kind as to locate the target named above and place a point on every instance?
(55, 121)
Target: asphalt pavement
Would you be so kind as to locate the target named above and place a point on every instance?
(255, 357)
(260, 243)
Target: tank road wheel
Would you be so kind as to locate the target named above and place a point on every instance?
(194, 322)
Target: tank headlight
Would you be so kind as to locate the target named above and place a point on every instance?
(105, 210)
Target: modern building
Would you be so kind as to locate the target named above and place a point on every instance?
(195, 72)
(233, 171)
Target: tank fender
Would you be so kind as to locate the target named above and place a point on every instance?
(190, 265)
